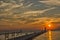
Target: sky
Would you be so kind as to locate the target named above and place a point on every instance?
(20, 14)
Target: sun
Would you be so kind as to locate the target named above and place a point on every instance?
(49, 25)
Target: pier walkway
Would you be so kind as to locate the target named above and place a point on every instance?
(17, 35)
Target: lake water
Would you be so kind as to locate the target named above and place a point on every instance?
(50, 35)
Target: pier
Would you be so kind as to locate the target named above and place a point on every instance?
(18, 35)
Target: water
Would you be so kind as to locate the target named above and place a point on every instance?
(50, 35)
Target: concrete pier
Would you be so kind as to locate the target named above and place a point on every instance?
(15, 35)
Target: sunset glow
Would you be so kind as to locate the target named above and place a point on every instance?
(49, 25)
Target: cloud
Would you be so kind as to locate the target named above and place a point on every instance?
(28, 5)
(26, 17)
(10, 6)
(45, 19)
(38, 11)
(52, 13)
(35, 13)
(3, 4)
(13, 6)
(11, 12)
(51, 2)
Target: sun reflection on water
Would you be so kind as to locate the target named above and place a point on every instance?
(49, 35)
